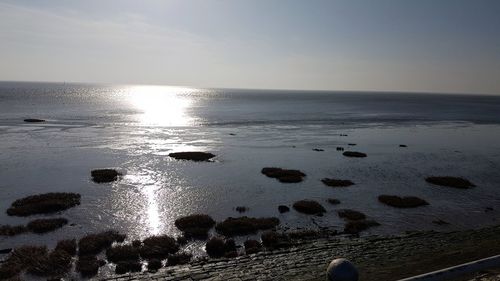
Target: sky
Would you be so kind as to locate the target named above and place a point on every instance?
(446, 46)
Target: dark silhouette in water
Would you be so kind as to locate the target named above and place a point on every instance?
(43, 204)
(450, 182)
(354, 154)
(337, 182)
(284, 175)
(402, 202)
(309, 207)
(104, 175)
(193, 156)
(33, 120)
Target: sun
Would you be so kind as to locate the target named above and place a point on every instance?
(162, 105)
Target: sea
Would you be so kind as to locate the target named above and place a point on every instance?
(133, 128)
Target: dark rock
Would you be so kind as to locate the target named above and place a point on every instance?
(354, 154)
(33, 120)
(333, 201)
(158, 247)
(351, 215)
(403, 145)
(245, 225)
(488, 209)
(402, 202)
(193, 156)
(450, 182)
(351, 144)
(43, 204)
(93, 244)
(104, 175)
(283, 209)
(195, 226)
(284, 175)
(309, 207)
(318, 149)
(46, 225)
(337, 182)
(340, 148)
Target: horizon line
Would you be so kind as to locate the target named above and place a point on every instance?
(254, 89)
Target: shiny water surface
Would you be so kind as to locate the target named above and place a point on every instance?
(134, 128)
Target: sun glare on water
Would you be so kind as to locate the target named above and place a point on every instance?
(162, 105)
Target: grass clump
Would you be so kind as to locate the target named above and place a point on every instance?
(93, 244)
(284, 175)
(9, 230)
(37, 261)
(43, 204)
(333, 201)
(337, 182)
(245, 225)
(217, 247)
(309, 207)
(88, 266)
(241, 209)
(193, 156)
(68, 245)
(275, 240)
(55, 264)
(46, 225)
(402, 202)
(195, 226)
(104, 175)
(356, 226)
(154, 265)
(122, 253)
(450, 182)
(354, 154)
(22, 258)
(158, 247)
(180, 258)
(351, 215)
(252, 246)
(283, 209)
(123, 267)
(304, 234)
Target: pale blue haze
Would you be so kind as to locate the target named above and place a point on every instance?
(384, 45)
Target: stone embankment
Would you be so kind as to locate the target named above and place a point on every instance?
(377, 258)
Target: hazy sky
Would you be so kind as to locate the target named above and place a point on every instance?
(398, 45)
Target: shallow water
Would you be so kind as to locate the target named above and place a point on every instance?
(133, 128)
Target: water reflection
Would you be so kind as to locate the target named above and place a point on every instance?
(148, 187)
(162, 105)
